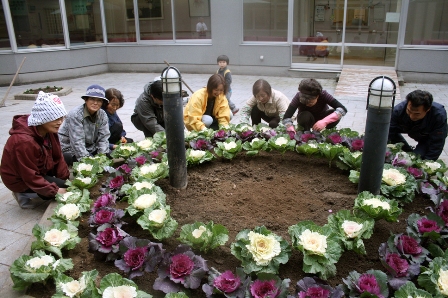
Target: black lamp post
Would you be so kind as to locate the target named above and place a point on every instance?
(174, 126)
(380, 103)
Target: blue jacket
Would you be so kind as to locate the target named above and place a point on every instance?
(430, 132)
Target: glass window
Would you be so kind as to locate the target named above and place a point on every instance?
(84, 21)
(265, 20)
(154, 17)
(37, 24)
(427, 23)
(196, 23)
(120, 25)
(4, 37)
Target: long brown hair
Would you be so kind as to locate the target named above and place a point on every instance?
(214, 81)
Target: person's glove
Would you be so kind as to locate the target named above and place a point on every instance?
(291, 131)
(321, 124)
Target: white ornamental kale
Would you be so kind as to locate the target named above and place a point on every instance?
(280, 141)
(197, 154)
(254, 140)
(263, 248)
(120, 291)
(393, 177)
(144, 184)
(313, 242)
(198, 232)
(375, 203)
(86, 180)
(158, 216)
(356, 154)
(146, 169)
(56, 237)
(442, 282)
(351, 228)
(312, 145)
(432, 165)
(127, 147)
(66, 195)
(74, 288)
(145, 144)
(70, 211)
(38, 262)
(145, 201)
(230, 145)
(84, 167)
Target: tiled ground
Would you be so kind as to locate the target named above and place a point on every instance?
(16, 224)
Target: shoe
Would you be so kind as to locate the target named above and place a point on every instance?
(25, 200)
(235, 110)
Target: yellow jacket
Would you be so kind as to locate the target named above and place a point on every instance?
(197, 105)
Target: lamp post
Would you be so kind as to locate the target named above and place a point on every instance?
(380, 103)
(174, 127)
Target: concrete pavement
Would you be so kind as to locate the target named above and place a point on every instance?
(16, 224)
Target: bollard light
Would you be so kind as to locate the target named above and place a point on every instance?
(380, 102)
(174, 126)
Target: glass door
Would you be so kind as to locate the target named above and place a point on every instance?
(332, 33)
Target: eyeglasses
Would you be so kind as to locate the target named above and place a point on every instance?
(96, 100)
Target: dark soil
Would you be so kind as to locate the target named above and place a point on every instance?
(47, 89)
(269, 189)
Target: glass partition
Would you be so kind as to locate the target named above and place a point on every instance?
(120, 28)
(265, 21)
(4, 37)
(37, 24)
(427, 23)
(84, 21)
(193, 19)
(155, 20)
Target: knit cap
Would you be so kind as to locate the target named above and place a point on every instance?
(47, 108)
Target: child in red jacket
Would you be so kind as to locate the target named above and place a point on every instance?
(32, 163)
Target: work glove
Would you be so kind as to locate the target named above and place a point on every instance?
(321, 124)
(291, 131)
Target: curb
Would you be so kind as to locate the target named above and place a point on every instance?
(62, 92)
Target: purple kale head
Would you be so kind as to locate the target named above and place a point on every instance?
(181, 266)
(105, 200)
(116, 182)
(201, 144)
(106, 241)
(368, 283)
(356, 144)
(246, 136)
(124, 168)
(221, 135)
(135, 257)
(141, 160)
(335, 138)
(426, 225)
(106, 215)
(317, 288)
(227, 282)
(416, 172)
(305, 137)
(408, 245)
(399, 265)
(442, 211)
(264, 289)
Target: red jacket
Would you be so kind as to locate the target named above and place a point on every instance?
(26, 159)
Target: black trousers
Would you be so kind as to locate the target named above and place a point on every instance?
(59, 182)
(256, 115)
(307, 120)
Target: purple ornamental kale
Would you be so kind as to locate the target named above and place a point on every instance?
(116, 182)
(305, 137)
(416, 172)
(314, 287)
(264, 289)
(368, 283)
(201, 144)
(105, 200)
(314, 292)
(246, 136)
(106, 215)
(106, 242)
(408, 245)
(221, 135)
(357, 144)
(399, 265)
(442, 211)
(335, 138)
(227, 282)
(140, 160)
(124, 168)
(156, 156)
(425, 225)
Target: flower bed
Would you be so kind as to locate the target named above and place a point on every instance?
(236, 195)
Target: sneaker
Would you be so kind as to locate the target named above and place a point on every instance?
(25, 200)
(235, 110)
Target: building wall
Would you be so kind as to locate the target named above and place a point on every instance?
(196, 58)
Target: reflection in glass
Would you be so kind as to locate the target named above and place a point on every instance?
(193, 25)
(84, 21)
(427, 23)
(37, 24)
(119, 27)
(154, 19)
(4, 37)
(265, 20)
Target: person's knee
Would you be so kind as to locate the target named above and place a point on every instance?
(207, 120)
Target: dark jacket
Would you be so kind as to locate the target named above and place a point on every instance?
(148, 116)
(430, 132)
(26, 159)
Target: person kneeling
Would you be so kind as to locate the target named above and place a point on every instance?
(32, 163)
